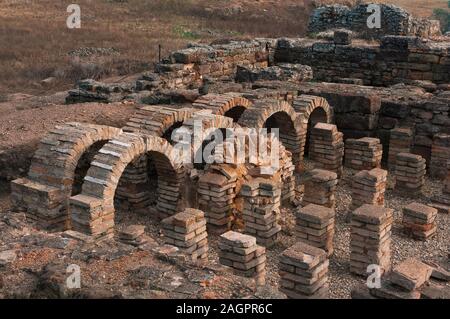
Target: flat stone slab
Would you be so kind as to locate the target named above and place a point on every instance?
(372, 214)
(303, 256)
(411, 274)
(235, 239)
(420, 211)
(315, 213)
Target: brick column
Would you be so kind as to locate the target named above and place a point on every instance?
(363, 154)
(327, 147)
(216, 199)
(370, 238)
(187, 231)
(304, 272)
(315, 226)
(368, 187)
(400, 142)
(320, 187)
(419, 221)
(262, 210)
(243, 255)
(410, 172)
(440, 153)
(442, 201)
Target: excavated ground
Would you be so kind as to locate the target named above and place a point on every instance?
(112, 269)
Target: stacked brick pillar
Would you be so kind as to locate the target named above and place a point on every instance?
(315, 226)
(400, 142)
(327, 147)
(304, 272)
(368, 187)
(363, 154)
(187, 231)
(410, 173)
(320, 187)
(442, 201)
(216, 198)
(419, 221)
(243, 255)
(440, 154)
(370, 242)
(262, 210)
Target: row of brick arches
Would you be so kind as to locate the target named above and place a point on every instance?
(79, 170)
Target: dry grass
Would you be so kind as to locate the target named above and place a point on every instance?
(35, 41)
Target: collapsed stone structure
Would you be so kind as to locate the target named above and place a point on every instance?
(82, 174)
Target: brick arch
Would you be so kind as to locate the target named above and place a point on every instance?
(277, 114)
(157, 120)
(92, 211)
(44, 194)
(209, 123)
(311, 110)
(228, 104)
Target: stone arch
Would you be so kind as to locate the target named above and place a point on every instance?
(92, 211)
(229, 104)
(311, 110)
(53, 175)
(157, 120)
(277, 114)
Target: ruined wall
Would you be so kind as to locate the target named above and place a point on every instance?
(394, 21)
(186, 67)
(369, 111)
(397, 59)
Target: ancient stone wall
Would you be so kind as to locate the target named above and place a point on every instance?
(394, 21)
(397, 59)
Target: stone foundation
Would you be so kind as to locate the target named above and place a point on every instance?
(442, 201)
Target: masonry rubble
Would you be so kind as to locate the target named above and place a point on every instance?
(419, 221)
(363, 154)
(408, 280)
(410, 173)
(280, 72)
(320, 188)
(327, 147)
(370, 242)
(187, 231)
(315, 226)
(304, 272)
(261, 211)
(243, 255)
(133, 235)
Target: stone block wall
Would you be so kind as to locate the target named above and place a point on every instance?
(394, 21)
(398, 59)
